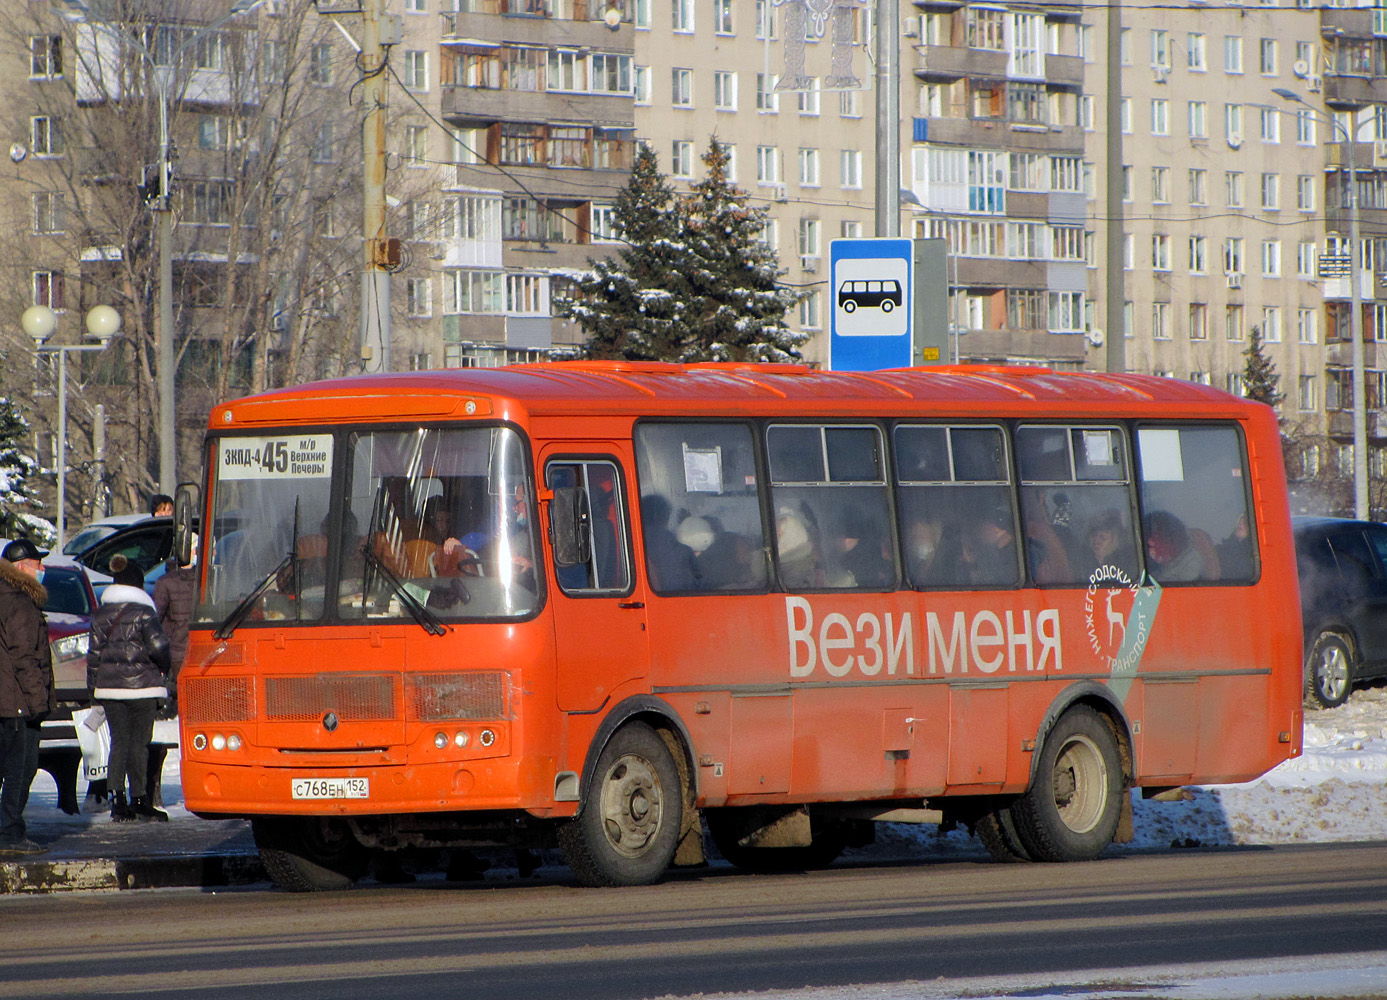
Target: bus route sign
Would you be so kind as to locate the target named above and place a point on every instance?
(871, 288)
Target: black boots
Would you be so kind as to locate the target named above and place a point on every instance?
(120, 809)
(144, 810)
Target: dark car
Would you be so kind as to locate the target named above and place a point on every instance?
(148, 543)
(71, 603)
(1343, 599)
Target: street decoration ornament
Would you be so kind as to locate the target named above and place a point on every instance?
(805, 19)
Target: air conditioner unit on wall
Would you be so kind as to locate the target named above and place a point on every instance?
(1235, 280)
(912, 27)
(1160, 73)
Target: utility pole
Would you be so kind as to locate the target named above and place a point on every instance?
(1115, 311)
(375, 276)
(888, 119)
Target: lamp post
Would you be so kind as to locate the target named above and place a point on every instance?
(1360, 384)
(39, 322)
(163, 79)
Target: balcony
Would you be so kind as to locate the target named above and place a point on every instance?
(1346, 22)
(463, 28)
(1341, 424)
(954, 61)
(478, 107)
(1064, 71)
(995, 272)
(1354, 90)
(984, 133)
(1035, 346)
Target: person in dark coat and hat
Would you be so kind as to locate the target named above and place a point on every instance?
(127, 663)
(26, 688)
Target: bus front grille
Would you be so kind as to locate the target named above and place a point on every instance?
(206, 700)
(351, 697)
(473, 696)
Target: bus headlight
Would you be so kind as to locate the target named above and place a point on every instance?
(462, 739)
(200, 741)
(233, 742)
(440, 740)
(218, 742)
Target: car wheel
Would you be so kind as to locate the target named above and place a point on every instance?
(1328, 672)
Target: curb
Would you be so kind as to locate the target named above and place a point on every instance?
(195, 871)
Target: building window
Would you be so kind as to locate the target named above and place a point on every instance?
(567, 70)
(1233, 322)
(809, 237)
(681, 88)
(320, 65)
(1198, 178)
(1195, 53)
(640, 14)
(1232, 54)
(1124, 116)
(809, 168)
(1266, 62)
(852, 168)
(767, 100)
(416, 70)
(1271, 125)
(725, 90)
(1307, 326)
(1305, 127)
(1199, 262)
(722, 17)
(809, 311)
(1067, 243)
(682, 12)
(1066, 312)
(1271, 324)
(765, 20)
(1160, 320)
(1233, 188)
(1233, 255)
(1199, 120)
(1271, 191)
(1160, 48)
(45, 136)
(1199, 321)
(681, 159)
(1305, 260)
(45, 57)
(1160, 252)
(809, 99)
(642, 84)
(850, 104)
(611, 73)
(1307, 394)
(1271, 258)
(1233, 123)
(416, 145)
(322, 151)
(48, 287)
(1305, 193)
(767, 165)
(1160, 185)
(419, 297)
(1160, 116)
(50, 215)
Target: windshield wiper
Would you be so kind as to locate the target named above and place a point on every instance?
(426, 618)
(238, 613)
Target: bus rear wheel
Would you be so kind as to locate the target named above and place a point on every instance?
(309, 853)
(727, 827)
(996, 831)
(632, 812)
(1071, 810)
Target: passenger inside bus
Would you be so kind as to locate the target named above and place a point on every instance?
(1177, 554)
(669, 561)
(1110, 543)
(796, 551)
(989, 549)
(1235, 552)
(730, 562)
(860, 552)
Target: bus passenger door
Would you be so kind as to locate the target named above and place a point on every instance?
(599, 609)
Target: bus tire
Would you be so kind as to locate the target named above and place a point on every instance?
(1071, 810)
(849, 306)
(887, 305)
(309, 853)
(1328, 672)
(827, 841)
(632, 812)
(996, 831)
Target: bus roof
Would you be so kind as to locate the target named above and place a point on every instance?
(720, 389)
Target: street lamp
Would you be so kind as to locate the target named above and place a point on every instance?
(39, 322)
(1360, 402)
(163, 79)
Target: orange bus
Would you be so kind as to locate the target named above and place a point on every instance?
(595, 604)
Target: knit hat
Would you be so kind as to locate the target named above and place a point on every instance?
(125, 572)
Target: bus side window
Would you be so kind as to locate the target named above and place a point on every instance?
(606, 568)
(957, 519)
(1198, 522)
(700, 508)
(832, 511)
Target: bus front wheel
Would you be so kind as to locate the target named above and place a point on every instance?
(849, 306)
(309, 853)
(628, 828)
(887, 305)
(1071, 810)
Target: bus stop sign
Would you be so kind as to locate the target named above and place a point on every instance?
(872, 288)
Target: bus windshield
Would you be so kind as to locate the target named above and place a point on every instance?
(424, 523)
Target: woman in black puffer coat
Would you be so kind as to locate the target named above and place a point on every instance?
(127, 662)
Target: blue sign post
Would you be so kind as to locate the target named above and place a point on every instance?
(872, 295)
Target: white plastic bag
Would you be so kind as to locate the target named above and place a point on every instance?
(94, 737)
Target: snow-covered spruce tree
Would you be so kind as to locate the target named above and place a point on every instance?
(735, 307)
(631, 306)
(1260, 379)
(17, 470)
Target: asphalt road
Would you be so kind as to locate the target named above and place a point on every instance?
(711, 930)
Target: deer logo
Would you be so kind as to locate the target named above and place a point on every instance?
(1115, 618)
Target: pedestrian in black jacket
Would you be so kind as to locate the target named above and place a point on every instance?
(127, 662)
(26, 688)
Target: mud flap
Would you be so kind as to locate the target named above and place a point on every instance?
(1126, 831)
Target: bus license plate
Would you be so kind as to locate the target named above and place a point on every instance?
(331, 788)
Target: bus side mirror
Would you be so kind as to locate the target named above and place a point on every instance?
(184, 511)
(570, 530)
